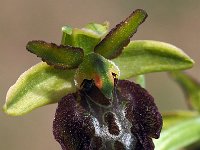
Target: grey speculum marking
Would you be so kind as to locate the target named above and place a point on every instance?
(110, 123)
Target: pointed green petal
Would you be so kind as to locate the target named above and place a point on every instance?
(145, 56)
(179, 136)
(64, 57)
(38, 86)
(86, 38)
(190, 87)
(173, 118)
(112, 45)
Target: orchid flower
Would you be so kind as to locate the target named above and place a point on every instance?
(98, 107)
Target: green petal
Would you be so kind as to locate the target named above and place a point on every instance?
(64, 57)
(190, 87)
(38, 86)
(86, 38)
(173, 118)
(179, 136)
(112, 45)
(145, 56)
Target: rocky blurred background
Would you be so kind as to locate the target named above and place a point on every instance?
(176, 22)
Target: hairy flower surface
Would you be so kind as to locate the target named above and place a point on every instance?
(84, 121)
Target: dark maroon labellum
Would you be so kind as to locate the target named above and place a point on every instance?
(129, 123)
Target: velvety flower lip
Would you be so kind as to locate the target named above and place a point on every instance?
(72, 126)
(129, 124)
(142, 112)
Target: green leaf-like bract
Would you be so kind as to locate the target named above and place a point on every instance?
(173, 118)
(114, 42)
(145, 56)
(190, 87)
(86, 38)
(179, 136)
(38, 86)
(64, 57)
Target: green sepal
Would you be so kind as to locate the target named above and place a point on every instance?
(191, 88)
(173, 118)
(86, 38)
(179, 136)
(99, 29)
(66, 36)
(62, 57)
(140, 79)
(145, 56)
(114, 42)
(38, 86)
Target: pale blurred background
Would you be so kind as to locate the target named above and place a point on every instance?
(173, 21)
